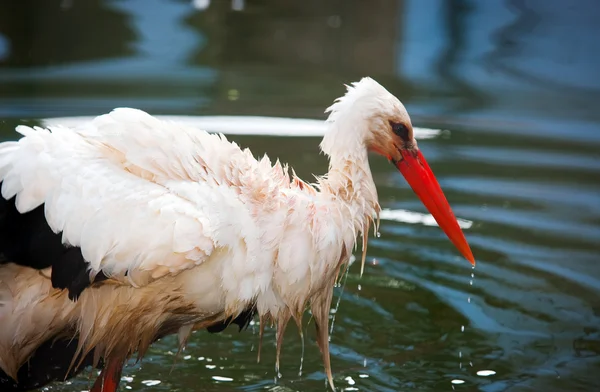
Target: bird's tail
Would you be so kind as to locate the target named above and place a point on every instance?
(32, 316)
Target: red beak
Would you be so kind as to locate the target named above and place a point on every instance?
(419, 176)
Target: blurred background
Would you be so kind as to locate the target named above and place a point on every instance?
(513, 88)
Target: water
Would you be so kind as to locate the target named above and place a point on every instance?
(513, 86)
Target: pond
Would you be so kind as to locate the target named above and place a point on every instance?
(509, 91)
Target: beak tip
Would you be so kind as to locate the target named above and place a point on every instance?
(470, 258)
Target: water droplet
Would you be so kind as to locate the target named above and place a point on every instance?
(460, 365)
(462, 328)
(472, 275)
(457, 381)
(471, 282)
(301, 355)
(365, 362)
(220, 378)
(469, 300)
(127, 379)
(359, 287)
(211, 366)
(151, 383)
(378, 234)
(279, 375)
(471, 364)
(485, 373)
(337, 305)
(350, 380)
(187, 357)
(363, 375)
(460, 354)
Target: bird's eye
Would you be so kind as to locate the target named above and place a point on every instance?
(400, 130)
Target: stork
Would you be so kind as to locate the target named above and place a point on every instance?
(125, 229)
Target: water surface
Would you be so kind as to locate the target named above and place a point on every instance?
(514, 86)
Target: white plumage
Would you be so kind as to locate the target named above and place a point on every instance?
(188, 227)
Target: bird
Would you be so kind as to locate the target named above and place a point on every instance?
(126, 228)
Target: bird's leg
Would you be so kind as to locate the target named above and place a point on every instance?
(108, 380)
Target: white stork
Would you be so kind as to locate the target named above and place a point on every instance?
(127, 228)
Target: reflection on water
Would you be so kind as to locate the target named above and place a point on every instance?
(415, 217)
(243, 125)
(516, 84)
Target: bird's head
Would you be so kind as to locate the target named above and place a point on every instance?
(368, 117)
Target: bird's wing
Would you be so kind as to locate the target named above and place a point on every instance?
(157, 149)
(132, 192)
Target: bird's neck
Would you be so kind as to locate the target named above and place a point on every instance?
(350, 181)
